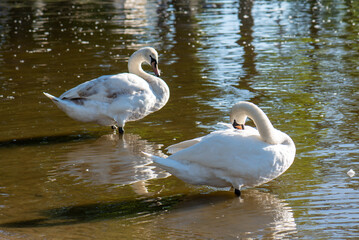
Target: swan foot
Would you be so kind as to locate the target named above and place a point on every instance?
(120, 129)
(237, 192)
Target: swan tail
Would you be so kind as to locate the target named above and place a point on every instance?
(154, 158)
(53, 98)
(68, 107)
(168, 164)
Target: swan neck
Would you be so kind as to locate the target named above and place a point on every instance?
(242, 110)
(158, 86)
(135, 66)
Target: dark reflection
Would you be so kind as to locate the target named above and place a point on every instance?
(180, 37)
(246, 40)
(35, 141)
(349, 86)
(76, 214)
(163, 19)
(314, 27)
(114, 160)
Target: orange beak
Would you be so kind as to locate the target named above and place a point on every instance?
(155, 67)
(240, 126)
(237, 125)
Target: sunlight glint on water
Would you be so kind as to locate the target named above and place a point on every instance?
(298, 60)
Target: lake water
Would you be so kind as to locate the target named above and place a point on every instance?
(62, 179)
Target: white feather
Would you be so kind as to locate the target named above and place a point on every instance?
(117, 99)
(232, 157)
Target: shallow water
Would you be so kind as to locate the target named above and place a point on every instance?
(64, 179)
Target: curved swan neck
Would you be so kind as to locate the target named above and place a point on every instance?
(159, 87)
(134, 65)
(240, 111)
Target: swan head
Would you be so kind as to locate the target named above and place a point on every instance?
(154, 64)
(236, 125)
(241, 110)
(150, 56)
(146, 54)
(238, 115)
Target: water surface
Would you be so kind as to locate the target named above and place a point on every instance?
(297, 60)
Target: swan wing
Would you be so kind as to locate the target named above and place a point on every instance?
(182, 145)
(238, 155)
(223, 149)
(188, 143)
(194, 174)
(107, 88)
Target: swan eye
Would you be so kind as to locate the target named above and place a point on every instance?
(152, 59)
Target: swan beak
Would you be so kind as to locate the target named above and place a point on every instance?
(237, 125)
(155, 67)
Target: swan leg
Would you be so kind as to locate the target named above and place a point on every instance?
(237, 192)
(120, 122)
(120, 129)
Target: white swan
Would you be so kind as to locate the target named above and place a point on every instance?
(113, 100)
(234, 157)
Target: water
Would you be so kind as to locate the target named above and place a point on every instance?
(62, 179)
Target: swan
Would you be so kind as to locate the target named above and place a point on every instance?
(113, 100)
(241, 156)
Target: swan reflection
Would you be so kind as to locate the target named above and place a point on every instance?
(220, 216)
(116, 160)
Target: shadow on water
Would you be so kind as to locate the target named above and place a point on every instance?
(77, 214)
(215, 215)
(43, 140)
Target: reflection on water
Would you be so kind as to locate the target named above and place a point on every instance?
(216, 216)
(212, 216)
(114, 160)
(134, 18)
